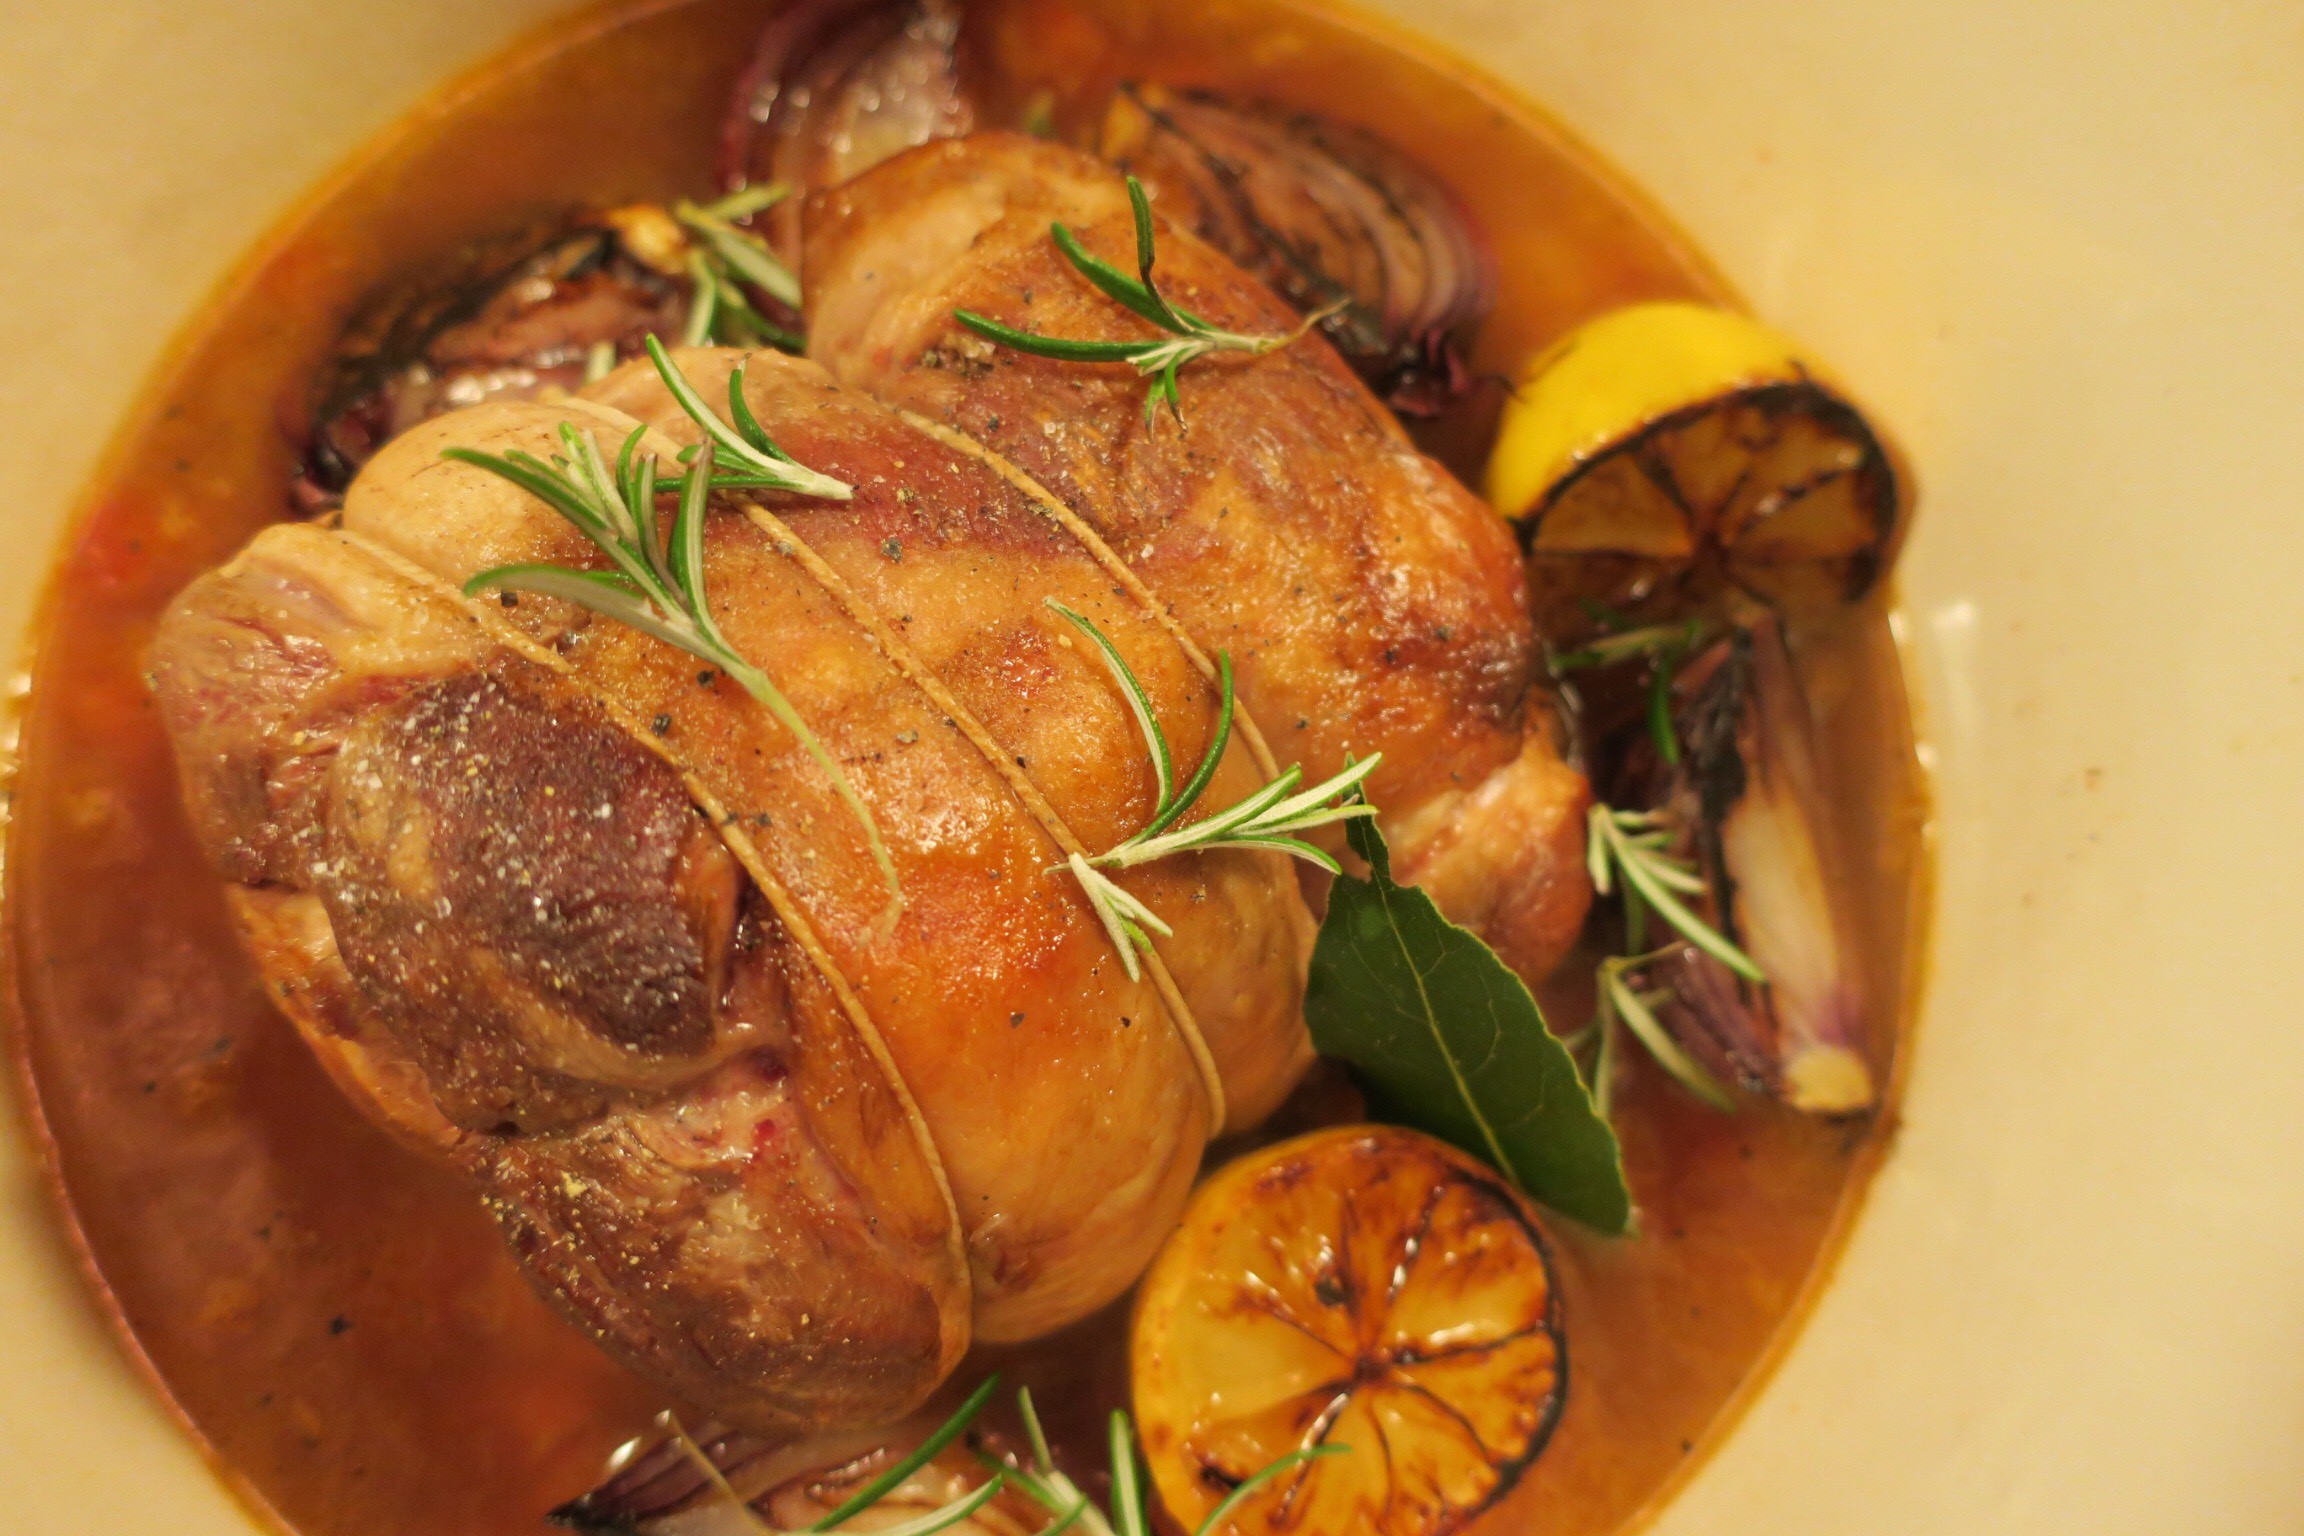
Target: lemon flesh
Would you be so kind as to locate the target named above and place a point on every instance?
(1363, 1287)
(1665, 452)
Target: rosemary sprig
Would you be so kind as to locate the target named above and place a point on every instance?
(1627, 645)
(719, 312)
(746, 254)
(1191, 336)
(726, 257)
(744, 202)
(1620, 1000)
(657, 582)
(1633, 844)
(940, 1518)
(947, 1432)
(754, 459)
(1664, 647)
(1129, 1515)
(1266, 819)
(1629, 849)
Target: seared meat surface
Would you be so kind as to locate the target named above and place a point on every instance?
(998, 972)
(689, 1141)
(957, 566)
(567, 907)
(1369, 601)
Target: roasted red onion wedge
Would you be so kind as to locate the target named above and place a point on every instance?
(507, 320)
(1322, 213)
(834, 88)
(1748, 790)
(714, 1481)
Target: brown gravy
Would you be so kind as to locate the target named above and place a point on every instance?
(337, 1321)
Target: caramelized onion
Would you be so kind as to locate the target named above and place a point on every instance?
(1750, 792)
(670, 1483)
(659, 1476)
(1322, 212)
(508, 320)
(834, 88)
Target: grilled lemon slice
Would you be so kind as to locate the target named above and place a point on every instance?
(1363, 1287)
(1664, 452)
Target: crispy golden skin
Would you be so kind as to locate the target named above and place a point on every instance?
(436, 840)
(1068, 1169)
(961, 565)
(1370, 602)
(506, 865)
(559, 901)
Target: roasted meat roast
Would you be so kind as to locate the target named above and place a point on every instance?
(566, 908)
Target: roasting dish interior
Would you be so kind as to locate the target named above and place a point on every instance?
(1745, 1244)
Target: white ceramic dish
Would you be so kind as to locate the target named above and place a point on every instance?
(2055, 245)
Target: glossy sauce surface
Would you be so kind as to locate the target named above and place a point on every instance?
(337, 1320)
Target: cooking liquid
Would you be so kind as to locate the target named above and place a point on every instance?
(337, 1320)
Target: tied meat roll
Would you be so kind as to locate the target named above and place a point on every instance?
(550, 896)
(1370, 602)
(559, 903)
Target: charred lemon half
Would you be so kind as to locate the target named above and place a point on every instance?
(1362, 1287)
(1668, 451)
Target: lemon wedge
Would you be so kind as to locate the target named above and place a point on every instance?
(1362, 1287)
(1663, 452)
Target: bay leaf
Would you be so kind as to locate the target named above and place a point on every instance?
(1448, 1040)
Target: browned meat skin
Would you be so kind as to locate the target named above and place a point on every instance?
(609, 904)
(480, 822)
(1068, 1173)
(602, 928)
(776, 1258)
(1369, 601)
(288, 934)
(961, 565)
(736, 1198)
(538, 960)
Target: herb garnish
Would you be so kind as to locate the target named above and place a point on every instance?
(872, 1493)
(1634, 844)
(1624, 645)
(944, 1434)
(755, 462)
(1664, 647)
(1619, 1000)
(1266, 819)
(1447, 1039)
(1192, 336)
(1036, 1477)
(1630, 850)
(599, 361)
(727, 257)
(1063, 1498)
(657, 585)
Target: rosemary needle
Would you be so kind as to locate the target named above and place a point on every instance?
(1267, 819)
(1632, 844)
(723, 260)
(1621, 1001)
(1130, 1514)
(944, 1434)
(1191, 337)
(1627, 850)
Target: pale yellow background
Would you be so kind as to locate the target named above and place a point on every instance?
(2061, 247)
